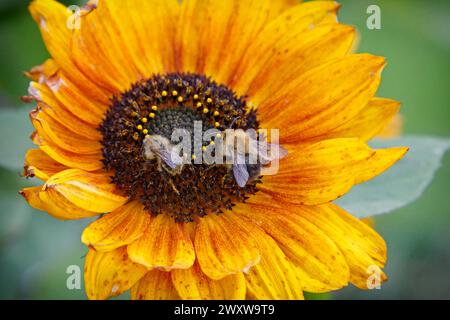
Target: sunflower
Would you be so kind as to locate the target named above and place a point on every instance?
(124, 72)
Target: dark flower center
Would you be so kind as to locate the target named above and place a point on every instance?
(154, 109)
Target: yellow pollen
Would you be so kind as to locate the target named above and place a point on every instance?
(209, 100)
(199, 105)
(217, 124)
(139, 127)
(154, 108)
(194, 157)
(196, 97)
(144, 120)
(174, 93)
(180, 99)
(152, 115)
(204, 148)
(145, 131)
(212, 143)
(205, 111)
(164, 93)
(216, 113)
(218, 135)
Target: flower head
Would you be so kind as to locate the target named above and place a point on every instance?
(130, 73)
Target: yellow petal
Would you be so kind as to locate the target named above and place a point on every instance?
(166, 244)
(323, 98)
(224, 245)
(275, 277)
(362, 247)
(320, 264)
(319, 172)
(193, 284)
(393, 128)
(55, 204)
(379, 163)
(89, 191)
(155, 285)
(39, 164)
(368, 123)
(118, 228)
(109, 274)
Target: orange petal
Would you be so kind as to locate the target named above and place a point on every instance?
(166, 244)
(53, 19)
(193, 284)
(362, 247)
(50, 105)
(89, 191)
(87, 162)
(42, 72)
(224, 245)
(369, 122)
(109, 274)
(323, 98)
(275, 277)
(212, 43)
(55, 204)
(39, 164)
(291, 41)
(118, 228)
(155, 285)
(320, 264)
(51, 130)
(318, 173)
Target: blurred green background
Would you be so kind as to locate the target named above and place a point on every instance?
(35, 250)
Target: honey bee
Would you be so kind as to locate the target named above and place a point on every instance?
(159, 148)
(249, 155)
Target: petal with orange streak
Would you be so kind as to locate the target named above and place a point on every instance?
(155, 285)
(362, 247)
(321, 99)
(51, 130)
(55, 204)
(213, 36)
(118, 228)
(89, 191)
(166, 244)
(193, 284)
(39, 164)
(368, 123)
(275, 277)
(53, 18)
(321, 265)
(224, 245)
(319, 172)
(109, 274)
(299, 38)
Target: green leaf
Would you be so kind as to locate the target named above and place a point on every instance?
(402, 184)
(15, 130)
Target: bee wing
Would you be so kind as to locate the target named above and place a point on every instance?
(162, 149)
(241, 174)
(269, 152)
(166, 156)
